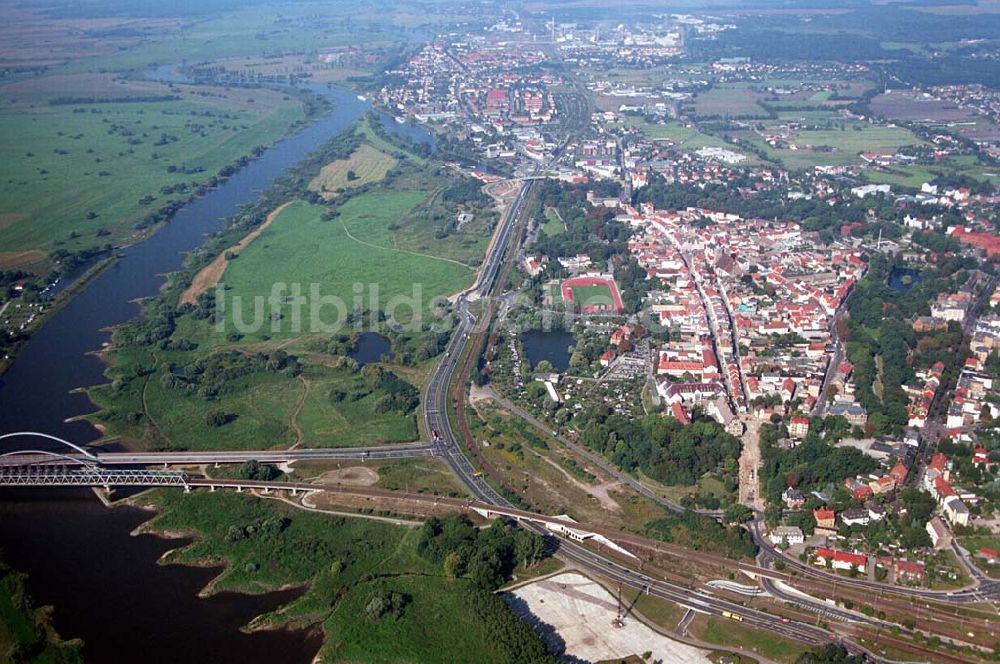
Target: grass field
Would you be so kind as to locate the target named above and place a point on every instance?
(830, 147)
(356, 248)
(543, 477)
(271, 410)
(916, 174)
(344, 563)
(254, 30)
(681, 134)
(68, 175)
(584, 296)
(423, 475)
(726, 632)
(367, 165)
(553, 225)
(106, 158)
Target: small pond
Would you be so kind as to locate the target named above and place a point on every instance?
(902, 279)
(371, 347)
(552, 346)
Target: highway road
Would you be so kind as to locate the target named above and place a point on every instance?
(403, 451)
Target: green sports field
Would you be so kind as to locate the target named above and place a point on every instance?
(592, 296)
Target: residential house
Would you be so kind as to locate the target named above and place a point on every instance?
(826, 519)
(940, 535)
(908, 571)
(793, 498)
(841, 559)
(791, 535)
(799, 426)
(855, 516)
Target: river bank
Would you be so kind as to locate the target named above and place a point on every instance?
(314, 105)
(59, 301)
(103, 559)
(39, 393)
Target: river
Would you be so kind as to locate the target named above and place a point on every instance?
(105, 584)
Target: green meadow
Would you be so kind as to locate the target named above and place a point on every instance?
(342, 564)
(267, 410)
(592, 296)
(81, 175)
(353, 257)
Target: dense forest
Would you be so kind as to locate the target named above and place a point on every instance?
(661, 447)
(861, 35)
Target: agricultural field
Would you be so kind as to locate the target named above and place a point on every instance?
(365, 165)
(94, 170)
(915, 106)
(262, 410)
(726, 101)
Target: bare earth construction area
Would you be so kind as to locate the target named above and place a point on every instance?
(579, 612)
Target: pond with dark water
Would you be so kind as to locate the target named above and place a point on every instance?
(552, 346)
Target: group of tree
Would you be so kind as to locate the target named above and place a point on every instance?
(255, 470)
(486, 556)
(26, 634)
(267, 528)
(813, 464)
(832, 653)
(398, 394)
(216, 374)
(884, 348)
(662, 447)
(590, 230)
(700, 532)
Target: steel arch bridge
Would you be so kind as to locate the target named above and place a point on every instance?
(46, 468)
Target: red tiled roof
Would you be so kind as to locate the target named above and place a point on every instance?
(842, 556)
